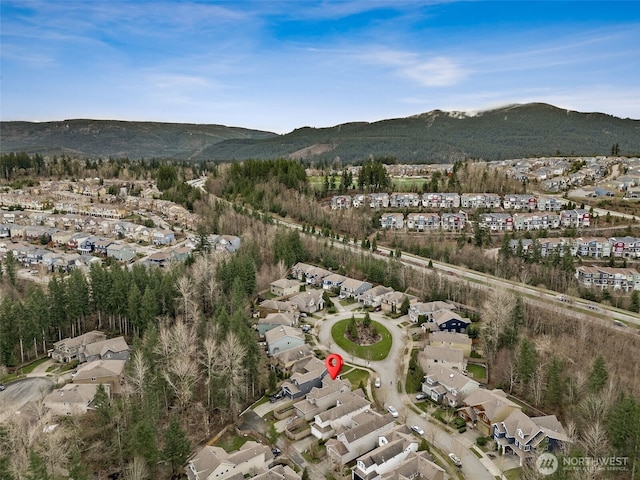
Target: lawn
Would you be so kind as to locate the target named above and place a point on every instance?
(30, 367)
(355, 376)
(231, 443)
(377, 351)
(476, 371)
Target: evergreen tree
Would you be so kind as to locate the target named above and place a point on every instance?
(11, 265)
(634, 302)
(526, 361)
(555, 383)
(406, 304)
(37, 468)
(352, 328)
(305, 474)
(176, 446)
(77, 468)
(598, 376)
(623, 425)
(367, 320)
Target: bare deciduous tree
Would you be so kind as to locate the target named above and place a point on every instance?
(231, 371)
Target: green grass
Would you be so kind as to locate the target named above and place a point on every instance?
(31, 367)
(264, 399)
(513, 474)
(476, 371)
(231, 443)
(355, 376)
(377, 351)
(475, 452)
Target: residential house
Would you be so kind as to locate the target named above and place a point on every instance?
(71, 399)
(480, 200)
(274, 306)
(379, 200)
(483, 408)
(373, 296)
(392, 221)
(496, 221)
(520, 435)
(109, 372)
(275, 320)
(309, 301)
(550, 204)
(347, 405)
(393, 449)
(283, 338)
(432, 356)
(358, 200)
(228, 243)
(111, 349)
(392, 302)
(163, 237)
(214, 463)
(625, 279)
(440, 200)
(339, 202)
(68, 349)
(332, 281)
(453, 221)
(446, 386)
(101, 246)
(596, 247)
(351, 288)
(421, 222)
(447, 320)
(426, 310)
(160, 259)
(578, 218)
(284, 286)
(404, 200)
(627, 247)
(535, 221)
(310, 375)
(287, 361)
(361, 438)
(122, 252)
(417, 465)
(310, 274)
(278, 472)
(452, 340)
(519, 202)
(321, 398)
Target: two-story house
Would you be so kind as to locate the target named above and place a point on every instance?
(275, 320)
(348, 405)
(214, 463)
(446, 386)
(284, 286)
(310, 301)
(361, 438)
(391, 451)
(308, 374)
(67, 349)
(373, 296)
(321, 398)
(483, 408)
(432, 356)
(522, 436)
(283, 338)
(111, 349)
(452, 340)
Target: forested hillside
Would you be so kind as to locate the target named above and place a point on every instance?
(433, 137)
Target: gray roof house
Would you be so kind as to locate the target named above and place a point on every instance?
(111, 349)
(373, 296)
(432, 356)
(422, 309)
(351, 288)
(361, 438)
(520, 435)
(213, 462)
(283, 338)
(284, 286)
(321, 398)
(310, 301)
(333, 281)
(392, 449)
(274, 320)
(416, 465)
(302, 382)
(444, 385)
(122, 252)
(68, 349)
(71, 399)
(347, 405)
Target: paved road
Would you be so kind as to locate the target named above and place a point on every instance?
(22, 392)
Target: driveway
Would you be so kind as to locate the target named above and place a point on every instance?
(22, 392)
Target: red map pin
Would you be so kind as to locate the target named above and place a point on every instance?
(334, 364)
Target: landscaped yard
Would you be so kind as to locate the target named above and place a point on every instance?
(476, 371)
(231, 443)
(377, 351)
(355, 376)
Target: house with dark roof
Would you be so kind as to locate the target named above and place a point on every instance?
(522, 436)
(301, 382)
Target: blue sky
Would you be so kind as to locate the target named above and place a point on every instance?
(280, 65)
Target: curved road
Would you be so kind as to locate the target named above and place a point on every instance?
(392, 369)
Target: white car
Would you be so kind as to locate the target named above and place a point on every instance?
(417, 429)
(392, 411)
(456, 461)
(378, 382)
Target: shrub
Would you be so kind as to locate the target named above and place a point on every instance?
(481, 441)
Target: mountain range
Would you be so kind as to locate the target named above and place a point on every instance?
(514, 131)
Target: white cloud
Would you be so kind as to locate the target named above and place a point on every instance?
(437, 72)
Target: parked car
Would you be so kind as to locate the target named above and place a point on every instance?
(417, 429)
(2, 387)
(421, 396)
(456, 461)
(276, 451)
(306, 328)
(392, 411)
(378, 382)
